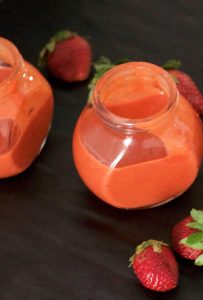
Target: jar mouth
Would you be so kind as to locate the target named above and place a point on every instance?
(10, 59)
(128, 71)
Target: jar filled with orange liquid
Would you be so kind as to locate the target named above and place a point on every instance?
(26, 108)
(139, 143)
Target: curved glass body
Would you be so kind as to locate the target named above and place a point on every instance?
(139, 143)
(26, 108)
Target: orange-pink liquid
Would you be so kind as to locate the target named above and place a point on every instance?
(141, 171)
(25, 116)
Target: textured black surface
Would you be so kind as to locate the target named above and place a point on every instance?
(57, 240)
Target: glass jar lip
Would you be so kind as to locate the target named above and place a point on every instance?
(17, 60)
(128, 124)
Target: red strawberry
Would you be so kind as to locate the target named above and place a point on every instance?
(155, 266)
(68, 56)
(187, 237)
(186, 85)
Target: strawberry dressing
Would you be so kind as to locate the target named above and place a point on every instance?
(26, 107)
(144, 168)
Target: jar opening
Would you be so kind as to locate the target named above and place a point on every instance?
(10, 62)
(134, 93)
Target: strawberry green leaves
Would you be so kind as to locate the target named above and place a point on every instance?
(195, 225)
(172, 64)
(197, 215)
(199, 260)
(195, 240)
(101, 66)
(155, 244)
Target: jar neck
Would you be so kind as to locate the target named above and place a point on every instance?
(11, 67)
(144, 76)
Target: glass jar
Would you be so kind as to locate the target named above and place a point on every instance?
(139, 143)
(26, 108)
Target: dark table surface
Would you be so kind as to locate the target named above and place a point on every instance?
(57, 240)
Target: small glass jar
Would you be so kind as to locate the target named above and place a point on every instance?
(139, 143)
(26, 108)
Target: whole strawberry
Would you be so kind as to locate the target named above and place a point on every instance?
(185, 85)
(155, 266)
(67, 56)
(187, 237)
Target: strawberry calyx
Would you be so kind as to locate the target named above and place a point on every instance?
(195, 240)
(101, 66)
(199, 260)
(157, 247)
(172, 64)
(50, 46)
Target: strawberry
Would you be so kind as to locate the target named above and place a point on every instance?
(187, 237)
(67, 56)
(155, 266)
(185, 85)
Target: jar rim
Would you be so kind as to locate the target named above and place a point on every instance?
(16, 57)
(131, 124)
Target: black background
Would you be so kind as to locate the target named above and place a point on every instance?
(57, 240)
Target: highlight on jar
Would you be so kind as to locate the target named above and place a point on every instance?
(138, 143)
(26, 109)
